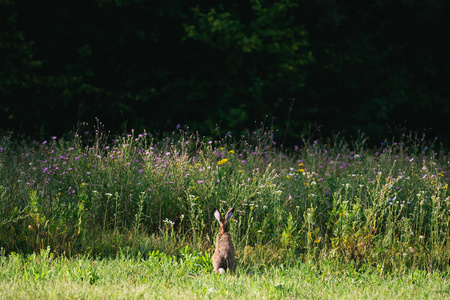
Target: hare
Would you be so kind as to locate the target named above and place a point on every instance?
(223, 257)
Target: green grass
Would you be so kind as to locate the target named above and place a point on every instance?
(42, 276)
(384, 208)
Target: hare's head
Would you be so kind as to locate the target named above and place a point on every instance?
(224, 227)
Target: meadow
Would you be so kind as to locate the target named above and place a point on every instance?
(114, 213)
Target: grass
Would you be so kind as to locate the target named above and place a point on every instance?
(42, 276)
(384, 208)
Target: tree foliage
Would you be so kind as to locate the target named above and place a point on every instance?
(155, 64)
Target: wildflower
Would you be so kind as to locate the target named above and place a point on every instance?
(221, 162)
(301, 170)
(200, 181)
(167, 221)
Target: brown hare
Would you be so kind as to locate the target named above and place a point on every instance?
(223, 257)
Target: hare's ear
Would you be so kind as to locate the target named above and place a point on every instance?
(217, 215)
(230, 214)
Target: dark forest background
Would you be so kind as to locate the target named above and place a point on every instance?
(381, 67)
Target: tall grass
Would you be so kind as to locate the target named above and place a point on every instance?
(386, 207)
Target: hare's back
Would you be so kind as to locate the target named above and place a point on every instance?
(225, 244)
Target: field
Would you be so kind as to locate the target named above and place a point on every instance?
(43, 277)
(91, 215)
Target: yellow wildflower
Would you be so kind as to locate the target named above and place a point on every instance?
(231, 151)
(221, 162)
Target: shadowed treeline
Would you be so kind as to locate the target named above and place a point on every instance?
(376, 66)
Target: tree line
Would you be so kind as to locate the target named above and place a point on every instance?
(218, 66)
